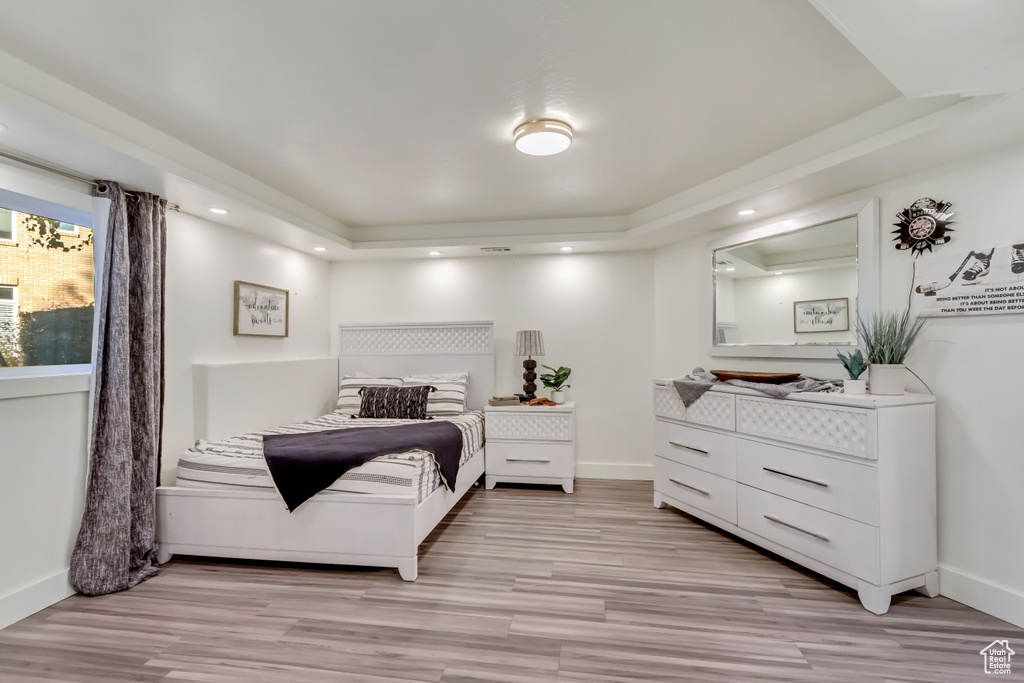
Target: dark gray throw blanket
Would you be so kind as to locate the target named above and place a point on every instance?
(303, 465)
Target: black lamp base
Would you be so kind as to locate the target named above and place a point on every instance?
(529, 365)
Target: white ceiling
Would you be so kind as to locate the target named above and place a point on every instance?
(383, 127)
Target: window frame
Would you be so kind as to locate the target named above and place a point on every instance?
(14, 228)
(21, 203)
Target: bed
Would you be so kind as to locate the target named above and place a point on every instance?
(376, 514)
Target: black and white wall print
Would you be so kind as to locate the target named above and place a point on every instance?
(260, 311)
(982, 281)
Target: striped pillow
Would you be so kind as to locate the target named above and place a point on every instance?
(349, 399)
(448, 400)
(397, 403)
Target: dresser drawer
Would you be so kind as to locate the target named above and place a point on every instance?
(667, 402)
(530, 460)
(845, 488)
(708, 451)
(529, 425)
(843, 429)
(702, 490)
(845, 544)
(713, 409)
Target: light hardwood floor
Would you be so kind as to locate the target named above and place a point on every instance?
(525, 585)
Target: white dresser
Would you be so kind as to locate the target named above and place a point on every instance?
(531, 445)
(844, 485)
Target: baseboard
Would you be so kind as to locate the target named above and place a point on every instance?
(999, 601)
(27, 601)
(604, 470)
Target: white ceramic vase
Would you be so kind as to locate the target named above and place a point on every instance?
(856, 387)
(558, 396)
(888, 380)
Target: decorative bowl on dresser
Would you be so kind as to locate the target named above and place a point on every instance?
(843, 485)
(531, 445)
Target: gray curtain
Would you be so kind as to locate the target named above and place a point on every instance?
(116, 546)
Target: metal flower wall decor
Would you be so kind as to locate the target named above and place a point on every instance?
(924, 225)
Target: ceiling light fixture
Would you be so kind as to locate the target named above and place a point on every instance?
(566, 248)
(219, 211)
(542, 138)
(435, 253)
(729, 270)
(778, 272)
(319, 248)
(747, 212)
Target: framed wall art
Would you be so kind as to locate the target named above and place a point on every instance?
(260, 311)
(821, 315)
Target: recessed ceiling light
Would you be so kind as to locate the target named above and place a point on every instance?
(747, 212)
(435, 253)
(566, 248)
(778, 272)
(729, 270)
(319, 248)
(219, 211)
(542, 138)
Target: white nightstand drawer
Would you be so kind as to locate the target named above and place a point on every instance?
(702, 490)
(530, 460)
(845, 544)
(535, 424)
(708, 451)
(845, 488)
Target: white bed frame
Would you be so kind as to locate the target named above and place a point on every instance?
(339, 528)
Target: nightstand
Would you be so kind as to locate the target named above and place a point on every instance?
(531, 444)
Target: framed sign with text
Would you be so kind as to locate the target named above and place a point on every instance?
(260, 311)
(821, 315)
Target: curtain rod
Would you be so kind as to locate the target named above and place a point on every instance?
(81, 179)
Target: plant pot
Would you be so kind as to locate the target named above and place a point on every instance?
(888, 380)
(558, 396)
(855, 386)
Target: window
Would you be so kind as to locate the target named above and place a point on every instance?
(8, 225)
(46, 284)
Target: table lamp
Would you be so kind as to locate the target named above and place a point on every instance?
(529, 343)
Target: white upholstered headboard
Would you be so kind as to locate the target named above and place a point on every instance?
(399, 349)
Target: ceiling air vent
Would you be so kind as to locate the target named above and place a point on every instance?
(495, 250)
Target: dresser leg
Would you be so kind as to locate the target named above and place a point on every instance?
(567, 485)
(489, 482)
(931, 585)
(407, 569)
(874, 599)
(658, 502)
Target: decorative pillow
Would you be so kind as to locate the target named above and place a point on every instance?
(448, 399)
(349, 399)
(401, 403)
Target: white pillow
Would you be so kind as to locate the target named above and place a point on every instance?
(349, 399)
(448, 400)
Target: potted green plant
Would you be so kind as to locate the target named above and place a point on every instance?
(855, 366)
(887, 338)
(555, 381)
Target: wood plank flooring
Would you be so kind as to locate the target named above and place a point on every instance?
(521, 585)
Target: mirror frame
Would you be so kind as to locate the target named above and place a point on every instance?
(868, 255)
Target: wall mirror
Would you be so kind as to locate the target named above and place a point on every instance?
(795, 288)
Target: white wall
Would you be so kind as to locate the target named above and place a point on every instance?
(203, 261)
(975, 367)
(763, 306)
(596, 312)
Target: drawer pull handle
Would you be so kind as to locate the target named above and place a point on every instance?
(793, 476)
(524, 460)
(689, 448)
(692, 488)
(796, 528)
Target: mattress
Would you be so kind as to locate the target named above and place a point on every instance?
(238, 462)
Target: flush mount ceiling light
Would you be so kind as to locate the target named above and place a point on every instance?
(566, 248)
(219, 211)
(319, 248)
(747, 212)
(434, 253)
(542, 138)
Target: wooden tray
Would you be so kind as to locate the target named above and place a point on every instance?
(762, 377)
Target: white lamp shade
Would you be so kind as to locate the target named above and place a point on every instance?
(529, 343)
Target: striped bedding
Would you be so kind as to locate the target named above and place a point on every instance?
(238, 462)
